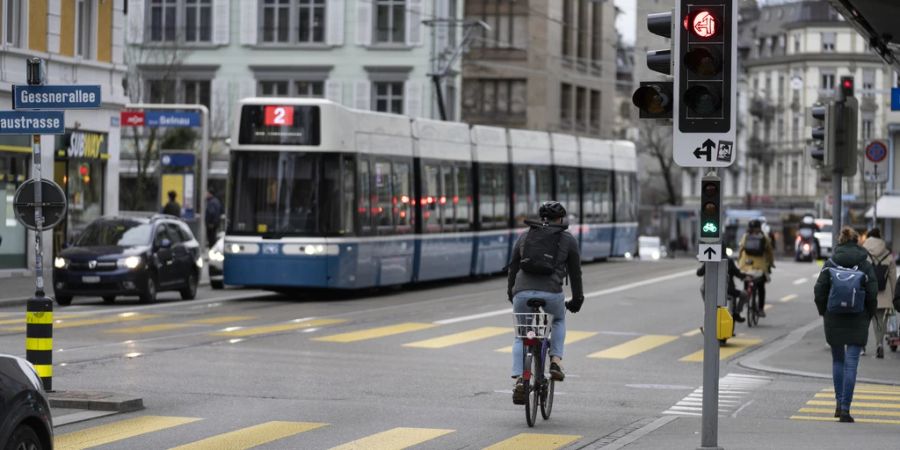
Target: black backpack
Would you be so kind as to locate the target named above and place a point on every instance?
(881, 270)
(755, 245)
(540, 249)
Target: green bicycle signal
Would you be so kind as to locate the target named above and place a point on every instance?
(710, 227)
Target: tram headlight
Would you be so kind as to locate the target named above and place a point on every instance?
(312, 250)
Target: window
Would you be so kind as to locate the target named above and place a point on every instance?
(596, 26)
(828, 41)
(273, 88)
(868, 82)
(766, 179)
(532, 187)
(596, 111)
(797, 41)
(827, 81)
(581, 98)
(197, 92)
(779, 176)
(780, 125)
(198, 20)
(493, 196)
(389, 97)
(626, 190)
(780, 93)
(161, 91)
(565, 105)
(13, 12)
(583, 34)
(503, 99)
(567, 28)
(390, 21)
(795, 129)
(84, 29)
(276, 20)
(795, 175)
(287, 88)
(447, 199)
(310, 89)
(567, 193)
(311, 26)
(509, 28)
(180, 20)
(868, 120)
(597, 196)
(163, 18)
(293, 21)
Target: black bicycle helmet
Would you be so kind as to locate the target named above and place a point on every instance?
(754, 224)
(552, 210)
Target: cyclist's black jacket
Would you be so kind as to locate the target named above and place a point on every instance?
(569, 263)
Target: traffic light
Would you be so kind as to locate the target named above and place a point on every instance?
(846, 150)
(821, 153)
(710, 209)
(654, 98)
(704, 87)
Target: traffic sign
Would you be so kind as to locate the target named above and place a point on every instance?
(132, 118)
(876, 151)
(56, 97)
(32, 122)
(53, 204)
(895, 99)
(708, 153)
(710, 253)
(171, 119)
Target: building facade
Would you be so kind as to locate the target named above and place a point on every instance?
(82, 43)
(542, 65)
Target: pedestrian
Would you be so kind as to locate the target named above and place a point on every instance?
(213, 215)
(846, 296)
(885, 273)
(172, 208)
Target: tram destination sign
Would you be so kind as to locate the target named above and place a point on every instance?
(56, 97)
(32, 122)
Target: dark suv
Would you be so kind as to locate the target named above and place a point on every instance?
(129, 256)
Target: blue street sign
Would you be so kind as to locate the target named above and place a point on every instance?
(895, 99)
(32, 122)
(171, 119)
(56, 97)
(178, 159)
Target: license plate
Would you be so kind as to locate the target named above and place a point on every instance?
(91, 279)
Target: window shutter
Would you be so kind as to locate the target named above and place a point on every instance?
(249, 25)
(362, 95)
(135, 32)
(414, 22)
(333, 91)
(221, 21)
(364, 23)
(335, 22)
(247, 88)
(442, 11)
(412, 98)
(219, 107)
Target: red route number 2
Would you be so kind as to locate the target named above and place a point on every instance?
(279, 116)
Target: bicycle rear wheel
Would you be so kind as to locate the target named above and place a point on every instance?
(547, 388)
(753, 310)
(531, 387)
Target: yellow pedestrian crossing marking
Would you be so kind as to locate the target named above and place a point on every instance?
(733, 347)
(277, 328)
(397, 438)
(252, 436)
(73, 323)
(871, 404)
(221, 319)
(853, 411)
(874, 388)
(117, 431)
(374, 333)
(768, 307)
(856, 404)
(860, 420)
(693, 332)
(461, 338)
(634, 347)
(858, 396)
(571, 338)
(788, 298)
(535, 441)
(148, 328)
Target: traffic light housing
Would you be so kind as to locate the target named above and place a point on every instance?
(710, 209)
(654, 98)
(846, 153)
(822, 151)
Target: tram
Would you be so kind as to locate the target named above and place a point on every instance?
(323, 196)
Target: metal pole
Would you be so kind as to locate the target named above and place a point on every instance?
(710, 424)
(875, 208)
(204, 175)
(837, 209)
(38, 216)
(436, 79)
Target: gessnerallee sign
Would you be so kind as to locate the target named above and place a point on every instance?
(56, 97)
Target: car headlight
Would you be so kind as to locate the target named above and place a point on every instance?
(131, 262)
(200, 262)
(655, 254)
(216, 255)
(60, 263)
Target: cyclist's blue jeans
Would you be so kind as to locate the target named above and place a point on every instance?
(843, 371)
(556, 305)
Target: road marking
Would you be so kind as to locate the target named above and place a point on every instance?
(853, 411)
(858, 396)
(474, 316)
(856, 404)
(119, 318)
(788, 298)
(460, 338)
(277, 328)
(397, 438)
(252, 436)
(221, 319)
(768, 307)
(535, 441)
(729, 385)
(117, 431)
(693, 332)
(149, 328)
(374, 333)
(800, 281)
(733, 347)
(633, 347)
(835, 419)
(571, 338)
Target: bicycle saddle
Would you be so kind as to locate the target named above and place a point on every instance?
(536, 303)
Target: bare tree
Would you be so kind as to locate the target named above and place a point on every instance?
(656, 142)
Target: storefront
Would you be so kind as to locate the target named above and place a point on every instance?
(80, 168)
(15, 162)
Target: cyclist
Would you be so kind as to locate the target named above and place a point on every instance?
(757, 255)
(541, 259)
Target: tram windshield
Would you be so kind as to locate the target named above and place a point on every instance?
(277, 194)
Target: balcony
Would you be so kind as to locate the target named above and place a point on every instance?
(760, 151)
(762, 108)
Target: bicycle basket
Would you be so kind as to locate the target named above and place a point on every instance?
(532, 325)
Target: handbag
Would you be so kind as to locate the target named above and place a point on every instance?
(892, 326)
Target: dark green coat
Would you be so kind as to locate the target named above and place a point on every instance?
(848, 329)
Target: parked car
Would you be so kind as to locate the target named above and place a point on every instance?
(823, 237)
(216, 258)
(25, 420)
(129, 256)
(651, 248)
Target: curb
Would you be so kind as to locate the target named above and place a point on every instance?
(95, 401)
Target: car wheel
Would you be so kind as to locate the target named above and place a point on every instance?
(149, 293)
(190, 290)
(24, 438)
(63, 300)
(109, 299)
(217, 284)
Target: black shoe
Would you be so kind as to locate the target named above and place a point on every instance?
(863, 352)
(837, 412)
(846, 417)
(879, 352)
(519, 392)
(762, 312)
(738, 318)
(556, 373)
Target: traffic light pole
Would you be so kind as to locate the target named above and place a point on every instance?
(710, 426)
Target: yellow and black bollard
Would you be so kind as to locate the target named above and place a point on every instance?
(39, 338)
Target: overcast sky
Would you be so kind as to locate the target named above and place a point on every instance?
(625, 22)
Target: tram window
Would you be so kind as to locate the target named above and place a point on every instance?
(330, 188)
(364, 199)
(431, 213)
(596, 197)
(521, 195)
(625, 197)
(463, 198)
(494, 197)
(446, 197)
(381, 200)
(567, 193)
(401, 200)
(348, 175)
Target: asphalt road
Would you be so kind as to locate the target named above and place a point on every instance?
(424, 366)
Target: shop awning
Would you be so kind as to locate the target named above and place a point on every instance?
(888, 207)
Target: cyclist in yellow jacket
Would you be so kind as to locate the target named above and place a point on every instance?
(757, 254)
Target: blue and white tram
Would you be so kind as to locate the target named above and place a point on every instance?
(329, 197)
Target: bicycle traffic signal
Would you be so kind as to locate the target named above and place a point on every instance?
(710, 209)
(654, 98)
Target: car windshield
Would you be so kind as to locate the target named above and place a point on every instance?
(123, 233)
(825, 229)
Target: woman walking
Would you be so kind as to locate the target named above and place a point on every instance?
(846, 321)
(886, 271)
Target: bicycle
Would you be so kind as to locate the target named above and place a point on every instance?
(534, 330)
(750, 281)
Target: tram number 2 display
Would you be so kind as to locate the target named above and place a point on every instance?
(279, 116)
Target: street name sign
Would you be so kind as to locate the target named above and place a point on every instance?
(56, 97)
(171, 119)
(710, 253)
(32, 122)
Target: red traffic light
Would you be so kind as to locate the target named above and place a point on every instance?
(702, 24)
(848, 84)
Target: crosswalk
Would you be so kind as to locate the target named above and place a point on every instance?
(871, 404)
(733, 387)
(128, 432)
